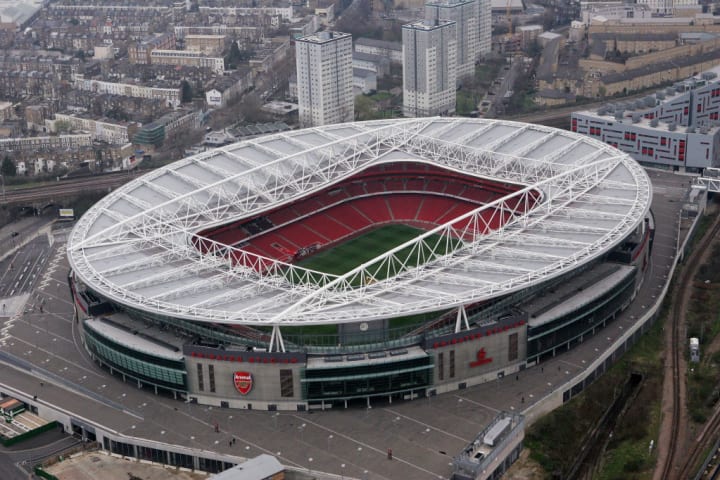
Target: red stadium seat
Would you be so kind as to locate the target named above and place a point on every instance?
(402, 192)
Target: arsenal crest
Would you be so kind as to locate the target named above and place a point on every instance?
(243, 382)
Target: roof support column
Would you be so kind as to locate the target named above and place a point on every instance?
(276, 340)
(461, 319)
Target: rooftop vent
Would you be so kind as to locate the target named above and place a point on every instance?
(672, 126)
(704, 130)
(636, 117)
(619, 114)
(649, 101)
(670, 91)
(709, 75)
(654, 122)
(660, 95)
(690, 129)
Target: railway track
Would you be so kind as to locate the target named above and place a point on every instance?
(673, 461)
(64, 188)
(706, 439)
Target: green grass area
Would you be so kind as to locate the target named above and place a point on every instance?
(703, 322)
(380, 96)
(466, 102)
(557, 439)
(381, 104)
(348, 255)
(486, 72)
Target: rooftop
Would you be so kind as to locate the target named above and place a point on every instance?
(323, 37)
(153, 221)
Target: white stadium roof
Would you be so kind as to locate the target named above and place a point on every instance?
(136, 246)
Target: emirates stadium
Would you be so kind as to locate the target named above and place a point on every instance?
(360, 262)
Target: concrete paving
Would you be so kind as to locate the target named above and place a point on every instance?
(95, 465)
(424, 434)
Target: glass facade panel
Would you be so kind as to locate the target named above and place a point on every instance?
(211, 375)
(180, 460)
(512, 347)
(544, 338)
(211, 465)
(286, 382)
(130, 364)
(451, 364)
(201, 379)
(367, 380)
(152, 454)
(441, 366)
(124, 449)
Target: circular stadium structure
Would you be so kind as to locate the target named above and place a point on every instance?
(395, 258)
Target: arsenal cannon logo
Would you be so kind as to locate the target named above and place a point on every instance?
(243, 382)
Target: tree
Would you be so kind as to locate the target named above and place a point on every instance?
(62, 126)
(365, 108)
(356, 20)
(233, 57)
(186, 92)
(8, 167)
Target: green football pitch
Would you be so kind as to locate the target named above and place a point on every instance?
(348, 255)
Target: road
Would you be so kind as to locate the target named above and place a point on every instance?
(20, 271)
(15, 461)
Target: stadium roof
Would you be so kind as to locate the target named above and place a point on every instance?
(136, 245)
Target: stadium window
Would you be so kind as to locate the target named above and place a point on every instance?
(211, 374)
(120, 448)
(699, 107)
(512, 347)
(451, 366)
(441, 366)
(201, 380)
(286, 382)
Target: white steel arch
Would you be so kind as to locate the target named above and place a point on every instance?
(137, 246)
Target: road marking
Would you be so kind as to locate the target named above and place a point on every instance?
(465, 399)
(426, 425)
(365, 445)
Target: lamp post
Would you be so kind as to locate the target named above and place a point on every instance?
(302, 432)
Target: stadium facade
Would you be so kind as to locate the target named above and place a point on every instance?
(225, 278)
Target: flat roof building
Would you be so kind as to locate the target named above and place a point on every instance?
(466, 15)
(676, 128)
(325, 78)
(429, 68)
